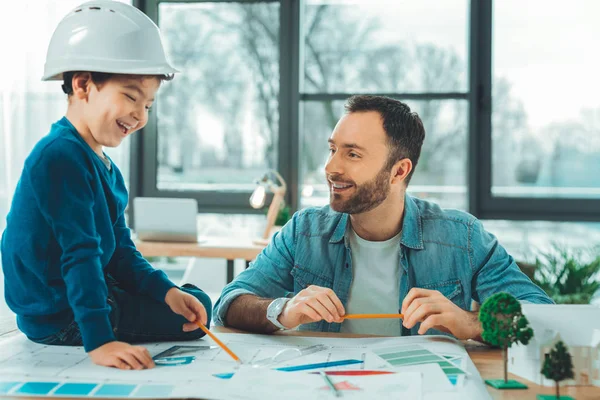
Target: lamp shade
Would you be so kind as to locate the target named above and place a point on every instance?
(257, 200)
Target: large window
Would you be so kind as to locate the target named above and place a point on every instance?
(402, 51)
(217, 123)
(534, 137)
(546, 113)
(505, 90)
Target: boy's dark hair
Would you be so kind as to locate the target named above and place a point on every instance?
(100, 77)
(404, 128)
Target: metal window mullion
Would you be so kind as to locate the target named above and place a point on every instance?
(543, 209)
(289, 95)
(214, 1)
(406, 96)
(480, 103)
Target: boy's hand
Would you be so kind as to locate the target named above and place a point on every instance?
(122, 355)
(188, 306)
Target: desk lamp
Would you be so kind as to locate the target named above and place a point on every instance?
(257, 200)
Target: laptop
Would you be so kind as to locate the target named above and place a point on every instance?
(159, 219)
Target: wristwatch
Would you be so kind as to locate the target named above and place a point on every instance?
(274, 311)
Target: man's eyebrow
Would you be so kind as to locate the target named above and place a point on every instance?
(137, 89)
(348, 145)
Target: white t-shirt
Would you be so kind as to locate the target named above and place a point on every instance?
(375, 285)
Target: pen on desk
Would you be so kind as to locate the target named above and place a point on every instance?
(217, 341)
(330, 384)
(362, 316)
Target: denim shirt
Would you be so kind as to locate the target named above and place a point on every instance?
(443, 250)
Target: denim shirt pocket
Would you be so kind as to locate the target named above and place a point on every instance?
(303, 278)
(451, 289)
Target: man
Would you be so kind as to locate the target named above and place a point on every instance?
(374, 249)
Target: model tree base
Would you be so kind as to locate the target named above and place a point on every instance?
(510, 384)
(553, 397)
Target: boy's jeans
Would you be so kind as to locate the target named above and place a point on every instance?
(137, 319)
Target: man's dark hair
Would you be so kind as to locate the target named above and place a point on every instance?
(404, 128)
(100, 77)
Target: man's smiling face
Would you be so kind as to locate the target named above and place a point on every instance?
(357, 172)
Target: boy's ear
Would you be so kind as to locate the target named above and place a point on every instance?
(82, 82)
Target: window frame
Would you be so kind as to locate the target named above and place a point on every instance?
(144, 148)
(482, 203)
(478, 95)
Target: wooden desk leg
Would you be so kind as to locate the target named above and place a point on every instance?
(229, 271)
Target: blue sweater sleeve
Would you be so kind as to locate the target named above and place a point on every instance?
(62, 185)
(132, 271)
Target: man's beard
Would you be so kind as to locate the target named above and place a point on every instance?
(366, 196)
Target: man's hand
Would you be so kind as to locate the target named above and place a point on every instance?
(434, 310)
(122, 355)
(312, 304)
(188, 306)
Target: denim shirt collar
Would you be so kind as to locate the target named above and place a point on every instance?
(412, 232)
(340, 229)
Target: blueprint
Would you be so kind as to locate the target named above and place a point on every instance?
(199, 369)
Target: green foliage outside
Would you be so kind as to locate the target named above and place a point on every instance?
(568, 276)
(503, 324)
(558, 365)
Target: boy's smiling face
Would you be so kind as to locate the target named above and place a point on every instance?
(106, 113)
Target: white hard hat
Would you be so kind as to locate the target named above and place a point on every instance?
(106, 36)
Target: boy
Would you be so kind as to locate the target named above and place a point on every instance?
(73, 275)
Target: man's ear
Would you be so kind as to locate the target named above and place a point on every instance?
(400, 170)
(82, 83)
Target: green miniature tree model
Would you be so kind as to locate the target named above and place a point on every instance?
(558, 366)
(503, 324)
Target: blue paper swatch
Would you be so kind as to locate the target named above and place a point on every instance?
(154, 391)
(114, 390)
(39, 388)
(5, 387)
(75, 389)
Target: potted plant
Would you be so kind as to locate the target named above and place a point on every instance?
(569, 276)
(283, 216)
(558, 366)
(503, 324)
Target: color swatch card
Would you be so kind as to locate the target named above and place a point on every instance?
(267, 384)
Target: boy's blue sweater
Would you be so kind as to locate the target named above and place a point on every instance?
(65, 230)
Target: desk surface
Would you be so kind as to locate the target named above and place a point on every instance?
(229, 248)
(489, 364)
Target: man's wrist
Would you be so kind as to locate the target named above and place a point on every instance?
(275, 310)
(477, 329)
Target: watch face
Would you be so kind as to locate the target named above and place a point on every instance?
(279, 305)
(275, 308)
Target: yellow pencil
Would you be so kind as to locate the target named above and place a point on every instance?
(361, 316)
(221, 344)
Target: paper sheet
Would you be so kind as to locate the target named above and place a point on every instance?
(271, 384)
(27, 368)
